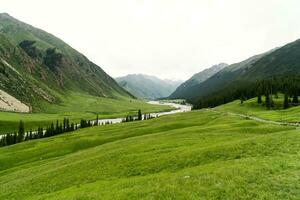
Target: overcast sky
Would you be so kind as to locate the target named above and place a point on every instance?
(166, 38)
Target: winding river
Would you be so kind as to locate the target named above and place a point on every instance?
(178, 109)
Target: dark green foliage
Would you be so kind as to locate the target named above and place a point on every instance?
(259, 100)
(295, 99)
(140, 116)
(286, 102)
(21, 132)
(85, 123)
(268, 101)
(97, 121)
(52, 59)
(229, 83)
(243, 98)
(288, 85)
(29, 48)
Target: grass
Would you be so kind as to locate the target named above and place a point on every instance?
(251, 107)
(76, 107)
(195, 155)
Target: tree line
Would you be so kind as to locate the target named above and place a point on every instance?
(264, 90)
(139, 117)
(59, 128)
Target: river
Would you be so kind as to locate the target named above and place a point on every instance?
(178, 109)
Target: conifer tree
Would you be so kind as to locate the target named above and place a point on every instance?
(268, 101)
(21, 132)
(295, 99)
(259, 100)
(286, 102)
(139, 114)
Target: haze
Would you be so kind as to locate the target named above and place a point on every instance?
(166, 38)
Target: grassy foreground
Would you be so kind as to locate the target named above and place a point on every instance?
(76, 107)
(196, 155)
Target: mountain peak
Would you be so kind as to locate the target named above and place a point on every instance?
(147, 86)
(196, 79)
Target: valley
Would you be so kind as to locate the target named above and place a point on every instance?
(146, 106)
(169, 156)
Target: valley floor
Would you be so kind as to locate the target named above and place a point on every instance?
(75, 108)
(196, 155)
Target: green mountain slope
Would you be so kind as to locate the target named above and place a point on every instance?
(197, 155)
(230, 78)
(278, 64)
(186, 89)
(147, 87)
(47, 69)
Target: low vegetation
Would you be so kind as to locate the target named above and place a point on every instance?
(76, 107)
(196, 155)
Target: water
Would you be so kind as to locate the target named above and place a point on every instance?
(178, 109)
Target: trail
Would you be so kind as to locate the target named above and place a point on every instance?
(258, 119)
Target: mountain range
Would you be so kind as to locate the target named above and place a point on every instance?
(186, 89)
(278, 62)
(147, 87)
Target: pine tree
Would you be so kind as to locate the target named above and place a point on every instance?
(140, 115)
(21, 132)
(286, 102)
(259, 100)
(30, 134)
(57, 128)
(97, 120)
(295, 99)
(268, 101)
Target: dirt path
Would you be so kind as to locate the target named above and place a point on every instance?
(259, 119)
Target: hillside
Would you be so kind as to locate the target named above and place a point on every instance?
(185, 90)
(38, 68)
(229, 78)
(279, 67)
(197, 155)
(147, 87)
(277, 63)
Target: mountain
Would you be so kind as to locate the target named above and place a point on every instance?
(186, 89)
(147, 87)
(276, 63)
(36, 67)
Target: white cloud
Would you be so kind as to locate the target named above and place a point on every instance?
(166, 38)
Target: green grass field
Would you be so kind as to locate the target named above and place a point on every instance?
(251, 107)
(76, 107)
(195, 155)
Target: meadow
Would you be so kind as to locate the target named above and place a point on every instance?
(196, 155)
(251, 107)
(75, 107)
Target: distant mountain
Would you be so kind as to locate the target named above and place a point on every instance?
(35, 67)
(186, 89)
(147, 87)
(277, 63)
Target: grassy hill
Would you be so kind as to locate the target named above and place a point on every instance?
(186, 89)
(55, 83)
(197, 155)
(147, 87)
(39, 68)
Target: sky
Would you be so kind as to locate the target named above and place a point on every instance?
(171, 39)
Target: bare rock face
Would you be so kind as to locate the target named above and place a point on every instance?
(10, 103)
